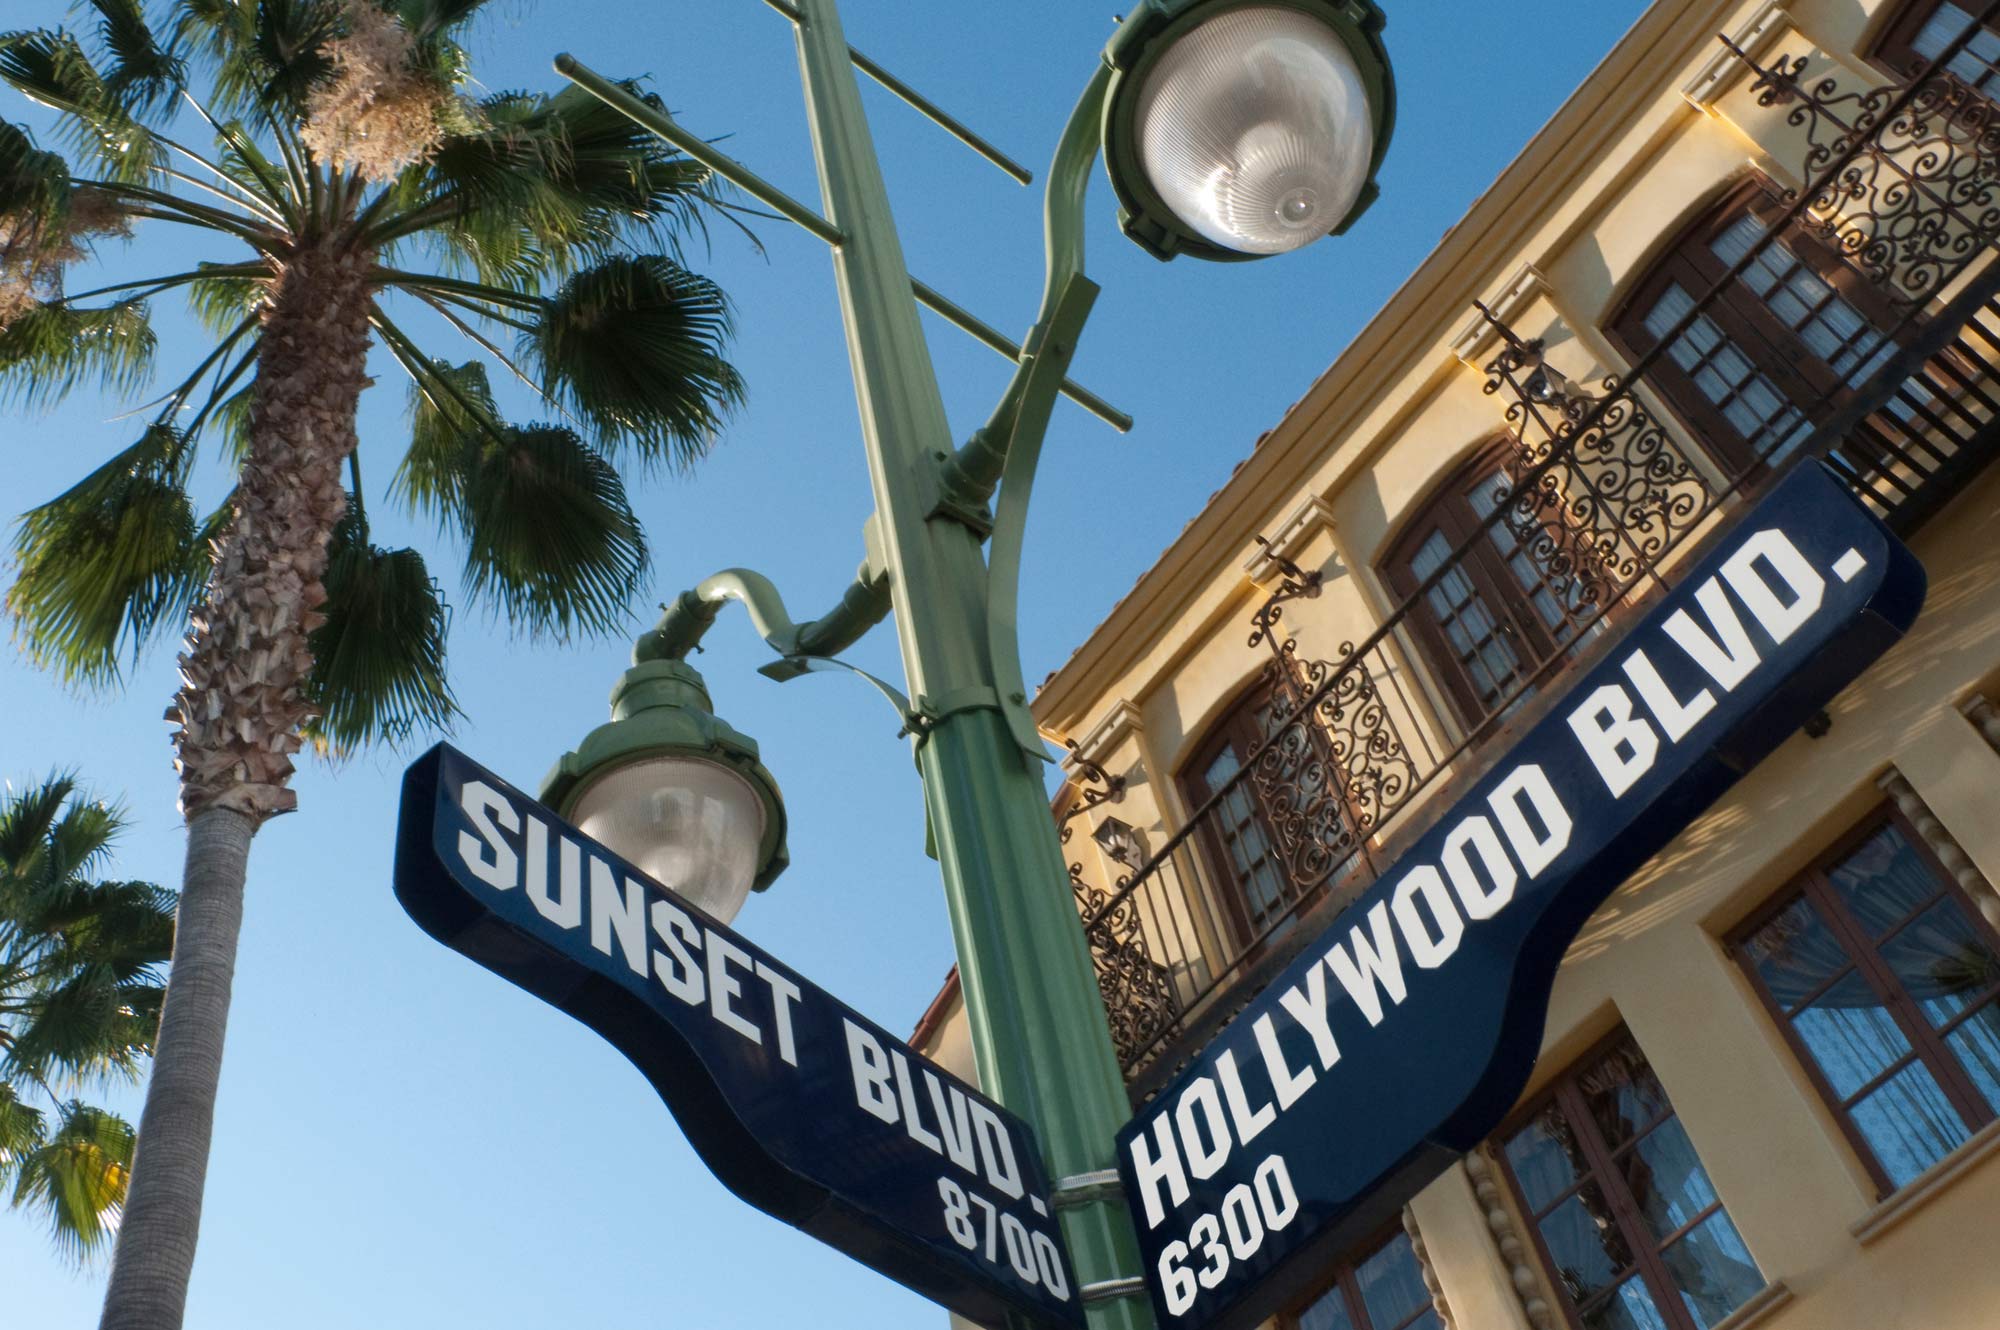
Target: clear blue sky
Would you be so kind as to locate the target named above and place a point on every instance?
(404, 1140)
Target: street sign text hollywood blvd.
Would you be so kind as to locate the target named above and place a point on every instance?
(801, 1106)
(1401, 1035)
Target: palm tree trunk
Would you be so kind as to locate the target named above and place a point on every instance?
(239, 710)
(149, 1276)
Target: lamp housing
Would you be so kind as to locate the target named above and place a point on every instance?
(1237, 129)
(675, 790)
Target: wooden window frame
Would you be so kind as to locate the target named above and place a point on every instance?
(1347, 1278)
(1602, 1161)
(1893, 50)
(1927, 1045)
(1447, 510)
(1809, 384)
(1236, 728)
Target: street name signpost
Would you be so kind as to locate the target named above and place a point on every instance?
(801, 1106)
(1402, 1035)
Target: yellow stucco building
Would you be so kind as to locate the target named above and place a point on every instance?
(1769, 1088)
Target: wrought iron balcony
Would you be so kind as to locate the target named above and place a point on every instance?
(1605, 495)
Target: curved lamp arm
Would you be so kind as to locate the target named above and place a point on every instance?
(688, 617)
(1011, 448)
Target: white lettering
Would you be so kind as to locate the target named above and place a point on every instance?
(1675, 717)
(1309, 1010)
(954, 1128)
(565, 908)
(1199, 1101)
(1378, 964)
(1535, 852)
(1480, 902)
(783, 994)
(1775, 549)
(1726, 657)
(1427, 951)
(1290, 1085)
(722, 985)
(1249, 1121)
(906, 1091)
(675, 967)
(482, 803)
(872, 1089)
(1620, 745)
(626, 913)
(1151, 1171)
(996, 1151)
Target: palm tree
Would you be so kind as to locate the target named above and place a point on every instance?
(331, 147)
(81, 965)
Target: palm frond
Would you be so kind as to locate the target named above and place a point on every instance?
(49, 66)
(33, 183)
(451, 416)
(108, 563)
(77, 1177)
(21, 1130)
(634, 346)
(52, 348)
(26, 820)
(548, 183)
(379, 659)
(551, 541)
(221, 300)
(143, 74)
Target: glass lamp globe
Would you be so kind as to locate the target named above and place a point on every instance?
(1255, 130)
(691, 825)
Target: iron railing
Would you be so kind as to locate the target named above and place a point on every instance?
(1608, 496)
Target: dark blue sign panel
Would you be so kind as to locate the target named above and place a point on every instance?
(801, 1106)
(1402, 1035)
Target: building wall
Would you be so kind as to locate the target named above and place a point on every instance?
(1653, 137)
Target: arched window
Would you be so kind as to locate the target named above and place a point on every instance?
(1280, 830)
(1779, 349)
(1921, 32)
(1498, 616)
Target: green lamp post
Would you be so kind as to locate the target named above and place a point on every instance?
(1232, 129)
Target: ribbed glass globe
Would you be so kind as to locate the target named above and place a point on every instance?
(1254, 128)
(691, 825)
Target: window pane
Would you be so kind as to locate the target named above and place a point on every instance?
(1329, 1313)
(1977, 1046)
(1883, 879)
(1630, 1308)
(1667, 1180)
(1545, 1158)
(1623, 1094)
(1589, 1251)
(1795, 954)
(1713, 1270)
(1942, 961)
(1909, 1124)
(1851, 1035)
(1392, 1287)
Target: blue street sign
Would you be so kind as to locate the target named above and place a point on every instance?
(1401, 1036)
(801, 1106)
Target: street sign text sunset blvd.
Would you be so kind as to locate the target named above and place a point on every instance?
(1401, 1035)
(801, 1106)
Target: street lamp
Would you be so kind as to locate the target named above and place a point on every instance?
(1236, 130)
(672, 788)
(1231, 129)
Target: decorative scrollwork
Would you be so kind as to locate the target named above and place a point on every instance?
(1905, 179)
(1138, 992)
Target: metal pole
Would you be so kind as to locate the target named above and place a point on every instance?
(1031, 995)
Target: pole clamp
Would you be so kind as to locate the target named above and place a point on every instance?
(1082, 1189)
(1131, 1286)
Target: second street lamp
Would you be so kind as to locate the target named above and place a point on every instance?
(1261, 126)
